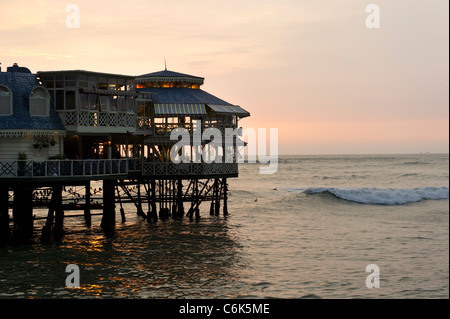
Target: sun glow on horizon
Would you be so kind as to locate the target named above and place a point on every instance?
(311, 69)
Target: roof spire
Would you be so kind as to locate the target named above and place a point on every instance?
(165, 64)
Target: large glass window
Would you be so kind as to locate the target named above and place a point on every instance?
(112, 84)
(92, 82)
(93, 101)
(39, 102)
(113, 102)
(130, 104)
(104, 103)
(59, 99)
(70, 100)
(49, 81)
(5, 101)
(59, 82)
(84, 103)
(121, 103)
(140, 108)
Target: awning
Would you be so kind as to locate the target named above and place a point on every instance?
(229, 109)
(180, 109)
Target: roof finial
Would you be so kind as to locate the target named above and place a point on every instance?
(165, 64)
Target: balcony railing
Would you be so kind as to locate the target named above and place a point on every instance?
(144, 125)
(92, 118)
(69, 168)
(171, 169)
(113, 167)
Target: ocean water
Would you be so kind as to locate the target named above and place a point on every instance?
(308, 231)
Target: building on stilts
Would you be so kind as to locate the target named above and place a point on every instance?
(61, 129)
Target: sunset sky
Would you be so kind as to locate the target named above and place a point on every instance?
(310, 68)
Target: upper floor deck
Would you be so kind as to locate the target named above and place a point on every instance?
(151, 104)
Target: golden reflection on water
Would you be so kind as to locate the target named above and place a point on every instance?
(167, 260)
(91, 290)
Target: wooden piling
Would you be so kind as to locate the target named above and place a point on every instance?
(180, 207)
(140, 211)
(217, 199)
(225, 197)
(59, 212)
(213, 199)
(23, 213)
(4, 215)
(47, 230)
(87, 207)
(122, 211)
(154, 215)
(109, 208)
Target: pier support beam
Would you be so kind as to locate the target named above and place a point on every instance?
(59, 212)
(87, 207)
(154, 215)
(180, 208)
(4, 215)
(23, 213)
(109, 208)
(52, 224)
(225, 197)
(218, 186)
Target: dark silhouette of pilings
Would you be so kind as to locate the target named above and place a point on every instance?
(5, 234)
(165, 198)
(109, 208)
(23, 213)
(54, 224)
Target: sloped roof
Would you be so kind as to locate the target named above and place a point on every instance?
(183, 96)
(169, 74)
(21, 85)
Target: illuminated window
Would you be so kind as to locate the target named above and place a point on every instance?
(140, 107)
(39, 102)
(5, 101)
(113, 102)
(165, 84)
(104, 103)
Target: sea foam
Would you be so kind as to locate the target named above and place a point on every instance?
(379, 196)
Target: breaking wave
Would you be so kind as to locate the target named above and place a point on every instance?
(379, 196)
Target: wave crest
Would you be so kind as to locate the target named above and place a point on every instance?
(380, 196)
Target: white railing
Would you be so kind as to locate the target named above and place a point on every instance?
(92, 118)
(171, 169)
(100, 168)
(68, 168)
(144, 124)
